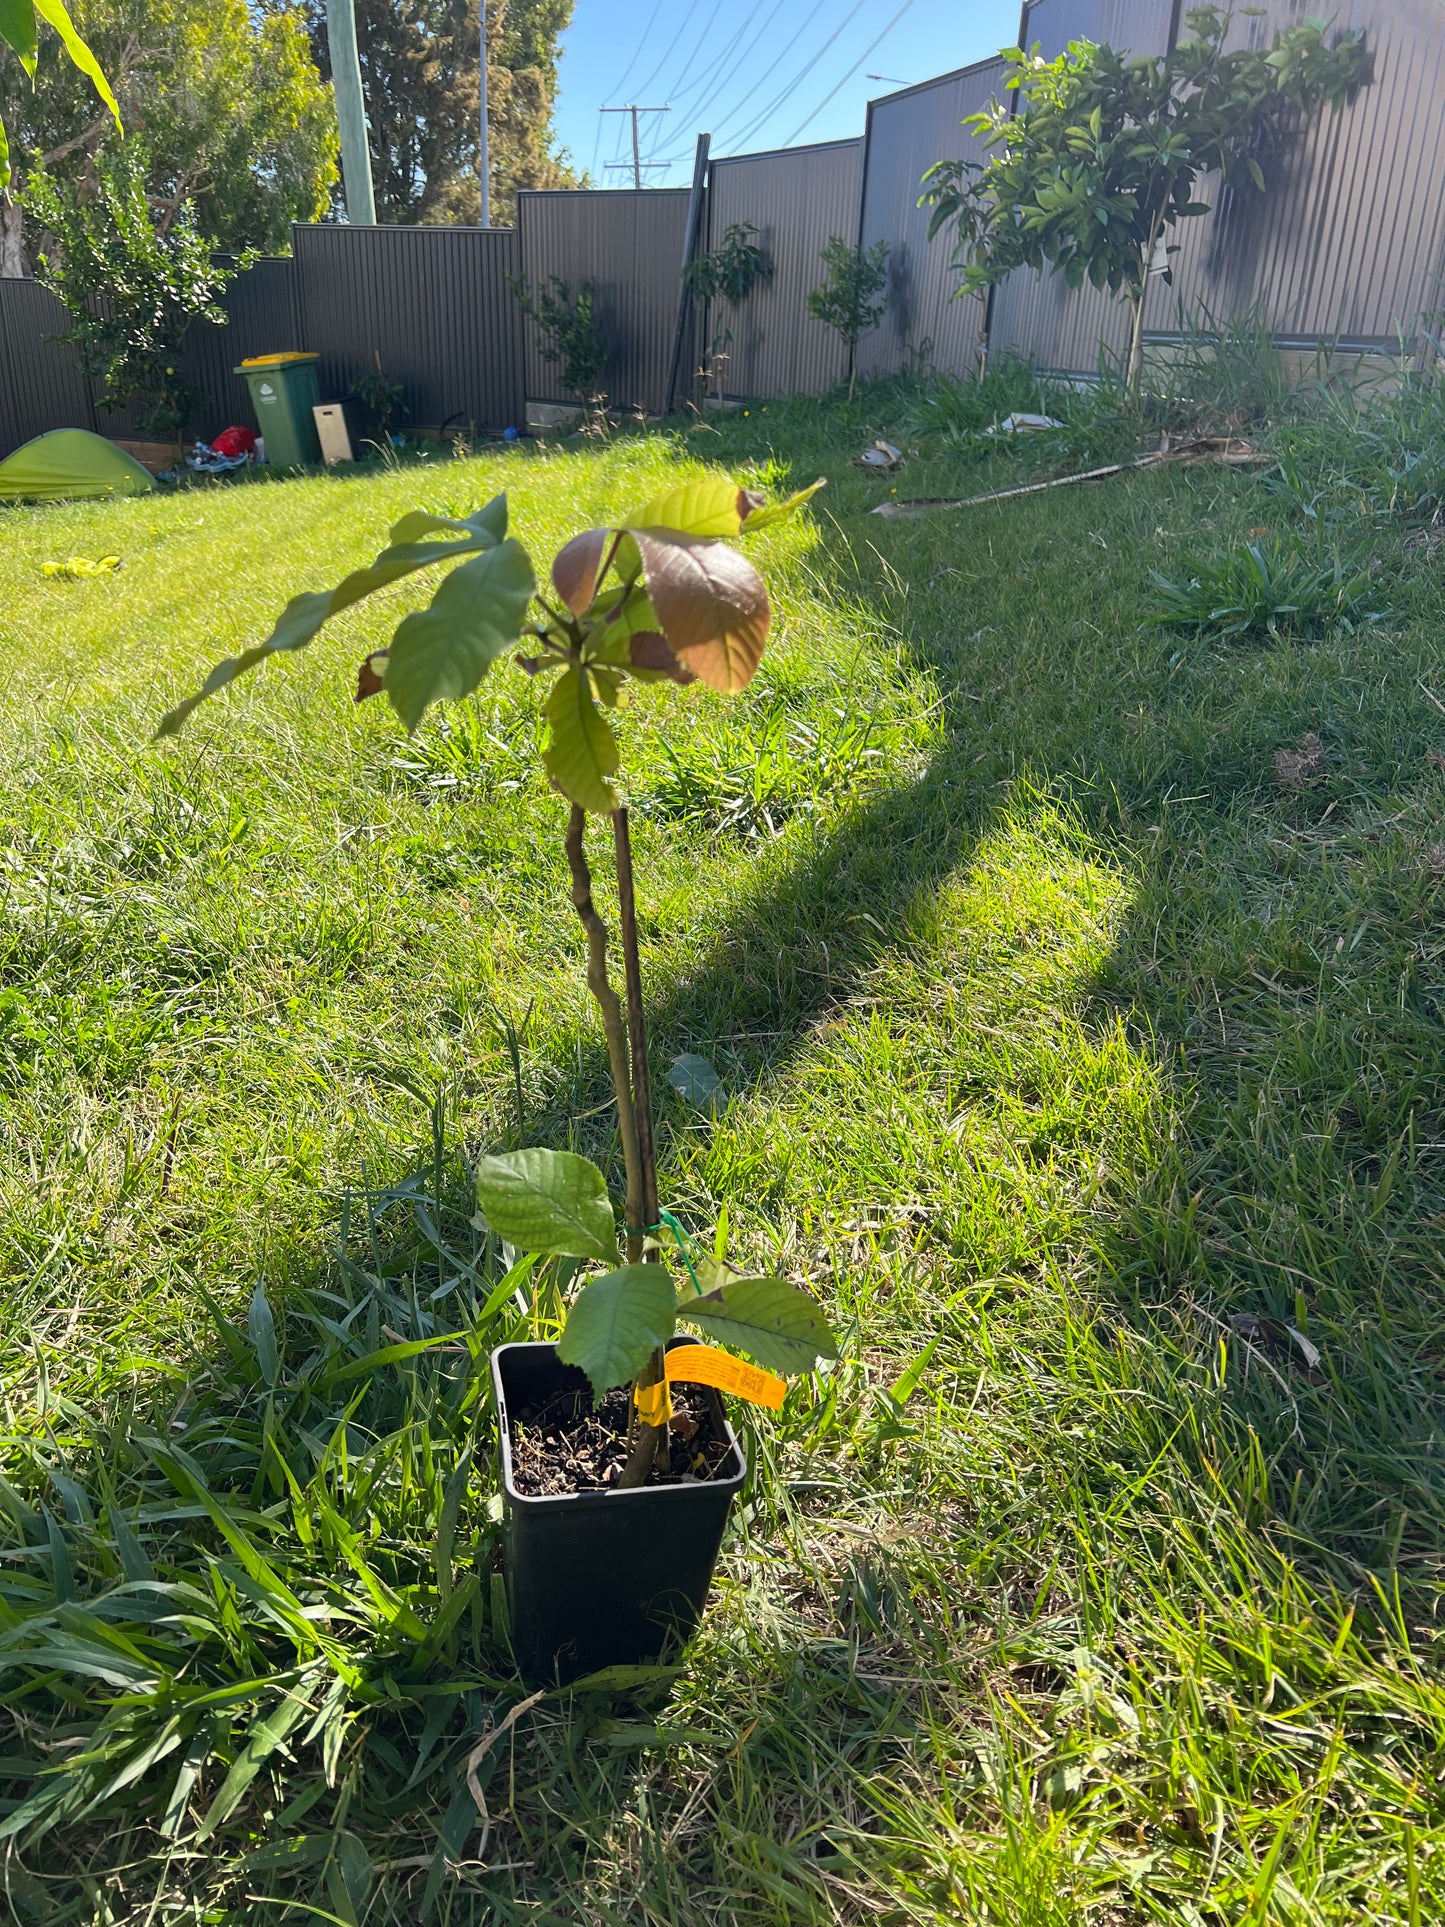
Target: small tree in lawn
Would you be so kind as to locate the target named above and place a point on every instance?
(849, 301)
(571, 335)
(661, 595)
(1100, 163)
(728, 274)
(131, 293)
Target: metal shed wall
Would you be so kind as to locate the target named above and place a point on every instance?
(262, 307)
(629, 244)
(432, 302)
(907, 133)
(796, 198)
(41, 383)
(1348, 241)
(1141, 26)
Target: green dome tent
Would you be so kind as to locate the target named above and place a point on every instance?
(69, 462)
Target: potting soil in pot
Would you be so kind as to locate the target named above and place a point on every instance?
(568, 1445)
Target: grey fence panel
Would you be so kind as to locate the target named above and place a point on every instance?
(261, 305)
(907, 133)
(628, 243)
(796, 198)
(433, 304)
(1141, 26)
(1348, 239)
(41, 382)
(1036, 313)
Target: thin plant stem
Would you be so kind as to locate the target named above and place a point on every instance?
(649, 1444)
(613, 1024)
(644, 1438)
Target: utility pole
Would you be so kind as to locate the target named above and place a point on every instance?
(350, 112)
(637, 163)
(484, 168)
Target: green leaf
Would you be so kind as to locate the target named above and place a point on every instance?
(548, 1201)
(265, 1735)
(714, 506)
(303, 616)
(443, 651)
(17, 30)
(4, 157)
(694, 1079)
(770, 512)
(777, 1323)
(53, 13)
(617, 1323)
(581, 752)
(261, 1329)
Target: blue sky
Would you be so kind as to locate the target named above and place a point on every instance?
(752, 73)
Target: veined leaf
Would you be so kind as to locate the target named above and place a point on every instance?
(548, 1201)
(713, 506)
(711, 604)
(577, 565)
(303, 616)
(777, 1323)
(443, 651)
(581, 752)
(616, 1324)
(53, 13)
(770, 512)
(17, 30)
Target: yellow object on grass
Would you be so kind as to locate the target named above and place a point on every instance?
(80, 566)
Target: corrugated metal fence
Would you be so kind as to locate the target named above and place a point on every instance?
(628, 244)
(432, 305)
(1347, 244)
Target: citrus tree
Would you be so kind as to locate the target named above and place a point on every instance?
(1100, 162)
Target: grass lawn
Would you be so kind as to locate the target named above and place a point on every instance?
(1063, 1021)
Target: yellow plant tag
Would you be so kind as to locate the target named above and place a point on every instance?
(705, 1365)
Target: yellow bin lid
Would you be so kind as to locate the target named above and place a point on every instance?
(276, 361)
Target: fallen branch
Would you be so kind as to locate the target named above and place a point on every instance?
(1213, 448)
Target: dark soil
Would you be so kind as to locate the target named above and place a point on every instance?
(568, 1445)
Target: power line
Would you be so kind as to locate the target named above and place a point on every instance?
(618, 84)
(682, 27)
(745, 106)
(850, 73)
(767, 113)
(725, 79)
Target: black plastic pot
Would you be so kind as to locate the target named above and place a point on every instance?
(598, 1579)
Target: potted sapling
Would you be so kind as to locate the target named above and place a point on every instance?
(618, 1465)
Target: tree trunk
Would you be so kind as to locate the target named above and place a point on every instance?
(852, 369)
(1136, 341)
(649, 1442)
(12, 239)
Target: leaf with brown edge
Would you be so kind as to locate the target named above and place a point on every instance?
(577, 567)
(369, 676)
(649, 651)
(711, 507)
(711, 605)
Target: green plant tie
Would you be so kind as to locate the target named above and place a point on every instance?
(682, 1238)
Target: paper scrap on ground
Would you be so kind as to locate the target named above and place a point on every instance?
(705, 1365)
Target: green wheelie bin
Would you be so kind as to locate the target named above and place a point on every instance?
(283, 394)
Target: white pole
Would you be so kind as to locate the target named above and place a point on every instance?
(483, 158)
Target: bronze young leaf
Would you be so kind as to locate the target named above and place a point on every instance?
(711, 604)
